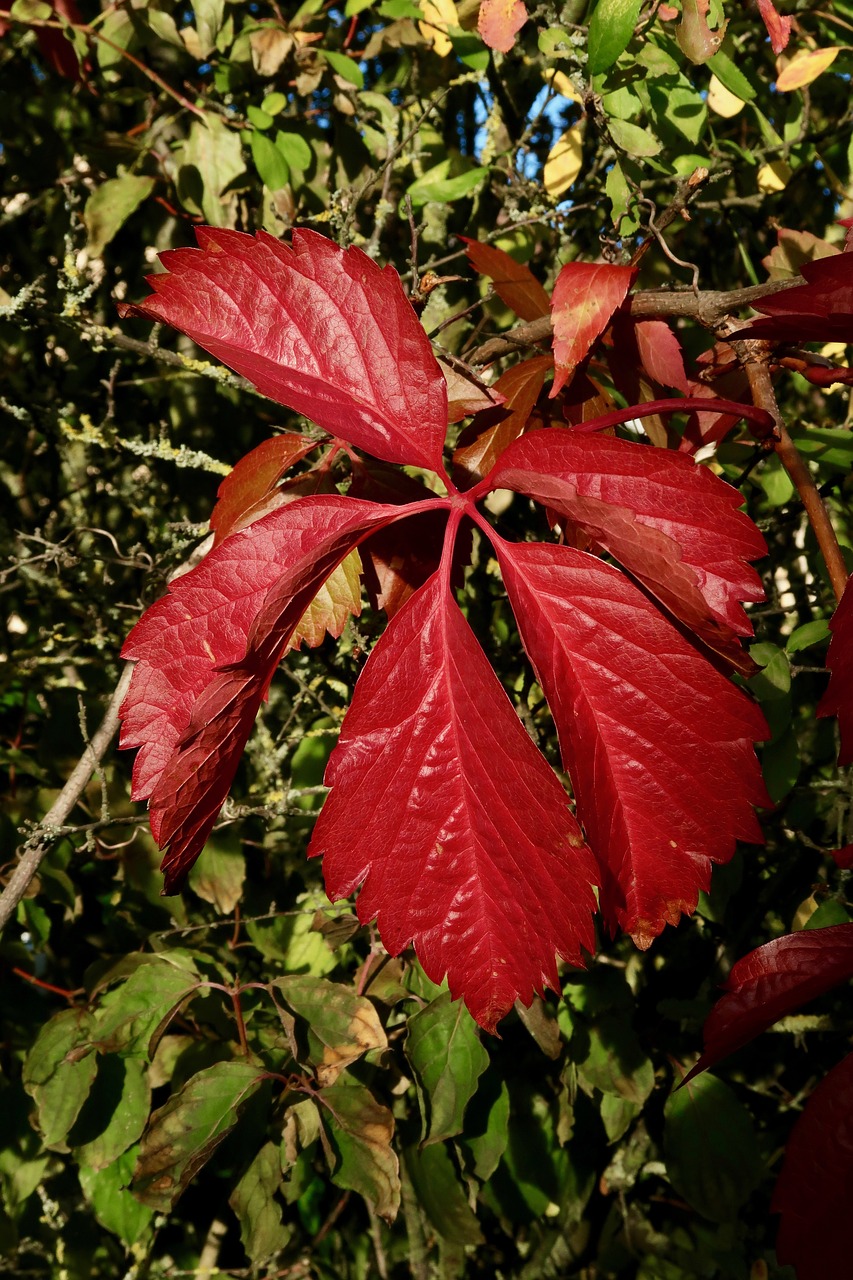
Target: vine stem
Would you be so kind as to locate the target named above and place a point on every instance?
(753, 356)
(41, 840)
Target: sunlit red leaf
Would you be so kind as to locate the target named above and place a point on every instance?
(819, 311)
(673, 525)
(657, 743)
(492, 431)
(813, 1190)
(500, 21)
(444, 810)
(773, 981)
(514, 283)
(205, 655)
(838, 699)
(241, 498)
(778, 27)
(585, 297)
(318, 328)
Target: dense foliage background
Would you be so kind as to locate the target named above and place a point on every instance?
(558, 1149)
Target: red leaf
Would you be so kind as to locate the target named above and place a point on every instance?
(318, 328)
(444, 810)
(205, 655)
(773, 981)
(466, 395)
(813, 1190)
(660, 354)
(778, 28)
(585, 297)
(843, 857)
(240, 498)
(819, 311)
(673, 525)
(515, 284)
(500, 21)
(838, 699)
(483, 442)
(658, 744)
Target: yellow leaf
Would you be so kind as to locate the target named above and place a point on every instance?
(805, 66)
(774, 177)
(564, 162)
(722, 100)
(438, 16)
(337, 599)
(563, 85)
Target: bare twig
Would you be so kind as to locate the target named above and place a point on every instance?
(709, 307)
(41, 840)
(754, 356)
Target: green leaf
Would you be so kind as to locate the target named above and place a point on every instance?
(114, 1114)
(441, 1195)
(808, 634)
(184, 1134)
(134, 1016)
(774, 681)
(443, 1045)
(727, 71)
(218, 877)
(710, 1148)
(293, 940)
(32, 11)
(110, 206)
(259, 118)
(615, 1062)
(396, 9)
(58, 1074)
(633, 139)
(437, 185)
(617, 1114)
(23, 1163)
(469, 49)
(610, 28)
(780, 764)
(269, 162)
(358, 1132)
(295, 149)
(259, 1213)
(486, 1127)
(209, 160)
(346, 68)
(107, 1191)
(356, 6)
(274, 103)
(341, 1026)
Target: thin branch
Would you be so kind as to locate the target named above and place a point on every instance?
(709, 307)
(754, 356)
(41, 840)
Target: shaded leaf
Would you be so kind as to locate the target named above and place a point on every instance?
(318, 328)
(109, 207)
(585, 297)
(448, 1059)
(219, 879)
(183, 1134)
(500, 21)
(773, 981)
(486, 1127)
(262, 1231)
(838, 698)
(108, 1192)
(342, 1026)
(209, 161)
(812, 1191)
(673, 525)
(58, 1074)
(514, 282)
(711, 1148)
(660, 354)
(440, 1194)
(658, 744)
(819, 311)
(134, 1016)
(115, 1113)
(360, 1130)
(430, 721)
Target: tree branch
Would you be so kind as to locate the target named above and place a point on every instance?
(709, 307)
(753, 356)
(43, 837)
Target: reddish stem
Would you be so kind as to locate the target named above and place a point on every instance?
(47, 986)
